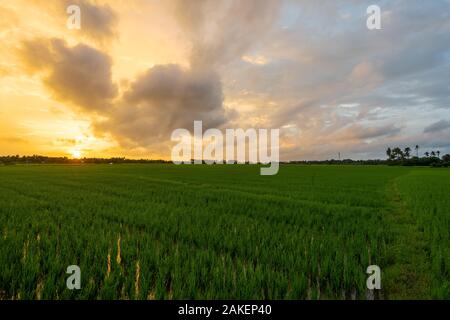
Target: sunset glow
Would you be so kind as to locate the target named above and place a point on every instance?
(137, 70)
(76, 154)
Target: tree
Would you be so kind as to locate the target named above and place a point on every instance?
(433, 154)
(427, 154)
(398, 154)
(446, 158)
(417, 150)
(438, 153)
(407, 152)
(389, 153)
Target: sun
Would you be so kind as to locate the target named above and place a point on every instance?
(76, 154)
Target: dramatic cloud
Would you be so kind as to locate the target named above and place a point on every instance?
(80, 75)
(163, 99)
(221, 31)
(168, 97)
(325, 74)
(310, 68)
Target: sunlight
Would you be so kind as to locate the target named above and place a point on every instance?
(76, 153)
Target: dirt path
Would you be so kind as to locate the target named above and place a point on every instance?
(407, 276)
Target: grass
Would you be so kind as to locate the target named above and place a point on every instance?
(221, 232)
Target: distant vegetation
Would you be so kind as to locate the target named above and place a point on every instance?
(396, 156)
(37, 159)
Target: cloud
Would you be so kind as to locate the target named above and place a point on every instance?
(152, 105)
(310, 68)
(317, 62)
(360, 132)
(99, 22)
(437, 126)
(164, 98)
(221, 31)
(167, 97)
(80, 75)
(36, 55)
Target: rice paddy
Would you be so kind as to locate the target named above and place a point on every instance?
(159, 231)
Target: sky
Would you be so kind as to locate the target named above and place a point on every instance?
(138, 69)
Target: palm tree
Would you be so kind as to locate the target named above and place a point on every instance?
(438, 153)
(427, 154)
(407, 152)
(433, 154)
(397, 153)
(389, 153)
(417, 150)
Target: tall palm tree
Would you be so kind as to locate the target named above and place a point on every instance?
(438, 154)
(389, 153)
(397, 153)
(417, 150)
(427, 154)
(407, 152)
(433, 154)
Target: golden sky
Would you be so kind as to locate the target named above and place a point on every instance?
(138, 69)
(33, 120)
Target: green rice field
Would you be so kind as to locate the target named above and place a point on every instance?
(160, 231)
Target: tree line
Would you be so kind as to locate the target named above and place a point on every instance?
(395, 156)
(398, 156)
(37, 159)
